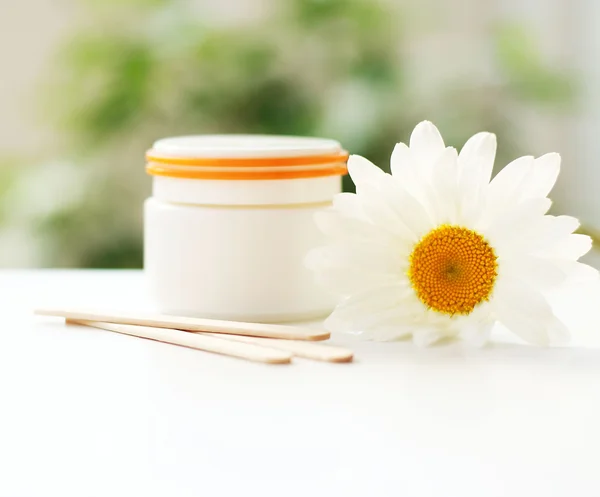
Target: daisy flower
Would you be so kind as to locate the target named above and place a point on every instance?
(438, 249)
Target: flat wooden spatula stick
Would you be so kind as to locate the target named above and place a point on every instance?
(207, 343)
(307, 350)
(188, 324)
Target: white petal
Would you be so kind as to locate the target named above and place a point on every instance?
(423, 337)
(363, 171)
(426, 143)
(577, 272)
(382, 306)
(525, 312)
(515, 228)
(513, 173)
(558, 333)
(476, 334)
(402, 160)
(475, 164)
(412, 212)
(504, 188)
(550, 231)
(377, 204)
(537, 272)
(420, 187)
(344, 281)
(538, 235)
(356, 256)
(339, 227)
(390, 333)
(368, 322)
(542, 176)
(472, 209)
(563, 224)
(445, 185)
(476, 159)
(483, 313)
(571, 247)
(387, 297)
(349, 205)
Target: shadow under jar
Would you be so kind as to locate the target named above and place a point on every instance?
(231, 220)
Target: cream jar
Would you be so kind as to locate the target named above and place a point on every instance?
(230, 221)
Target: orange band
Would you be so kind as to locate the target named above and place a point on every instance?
(156, 169)
(247, 168)
(249, 162)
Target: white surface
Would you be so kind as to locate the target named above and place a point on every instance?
(244, 264)
(89, 413)
(245, 146)
(246, 192)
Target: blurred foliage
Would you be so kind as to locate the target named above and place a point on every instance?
(529, 77)
(7, 178)
(147, 69)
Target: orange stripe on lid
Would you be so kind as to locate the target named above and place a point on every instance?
(266, 173)
(220, 168)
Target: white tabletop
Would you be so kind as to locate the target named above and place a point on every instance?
(90, 413)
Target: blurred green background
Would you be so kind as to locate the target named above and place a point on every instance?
(132, 71)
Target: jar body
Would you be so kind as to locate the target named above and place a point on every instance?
(237, 262)
(231, 221)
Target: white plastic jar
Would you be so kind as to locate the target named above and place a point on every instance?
(231, 220)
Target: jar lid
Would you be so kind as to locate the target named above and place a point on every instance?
(246, 157)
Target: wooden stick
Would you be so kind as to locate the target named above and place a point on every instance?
(207, 343)
(308, 350)
(189, 324)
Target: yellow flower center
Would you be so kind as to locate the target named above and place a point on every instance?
(452, 269)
